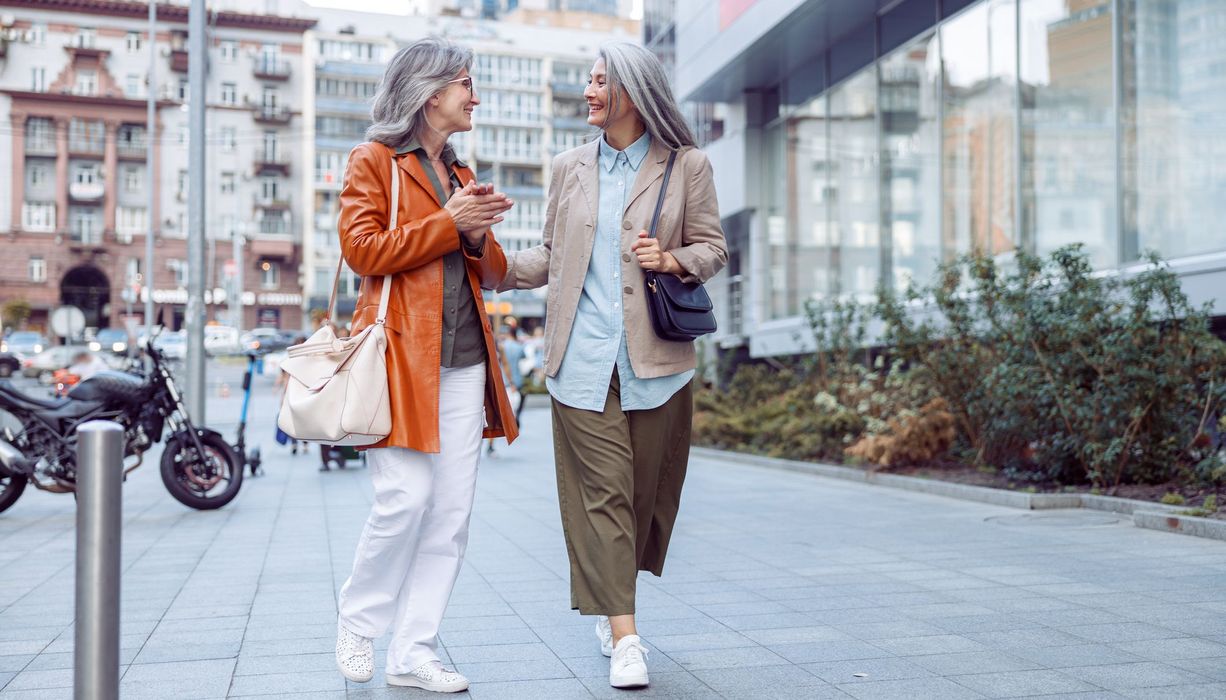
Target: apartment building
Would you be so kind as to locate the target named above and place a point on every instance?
(74, 209)
(529, 71)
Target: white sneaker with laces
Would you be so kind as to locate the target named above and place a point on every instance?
(628, 667)
(355, 655)
(604, 632)
(430, 676)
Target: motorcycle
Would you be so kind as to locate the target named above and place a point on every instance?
(198, 467)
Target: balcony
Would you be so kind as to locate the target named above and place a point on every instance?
(86, 192)
(272, 115)
(277, 203)
(86, 147)
(272, 245)
(178, 60)
(268, 163)
(40, 147)
(131, 150)
(562, 88)
(268, 68)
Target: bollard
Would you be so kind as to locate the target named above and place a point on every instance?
(99, 507)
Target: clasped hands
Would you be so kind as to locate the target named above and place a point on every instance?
(475, 208)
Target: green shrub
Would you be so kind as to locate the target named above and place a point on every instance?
(1173, 499)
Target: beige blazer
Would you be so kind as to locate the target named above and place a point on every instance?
(689, 228)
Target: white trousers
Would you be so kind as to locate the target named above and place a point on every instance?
(413, 544)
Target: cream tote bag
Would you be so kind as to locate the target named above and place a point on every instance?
(337, 387)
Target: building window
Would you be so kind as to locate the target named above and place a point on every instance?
(184, 90)
(85, 38)
(228, 139)
(270, 275)
(227, 183)
(37, 176)
(38, 217)
(268, 189)
(39, 133)
(86, 136)
(84, 224)
(38, 79)
(132, 179)
(133, 42)
(329, 166)
(132, 85)
(229, 94)
(979, 56)
(37, 268)
(269, 99)
(132, 274)
(86, 83)
(38, 34)
(179, 269)
(183, 185)
(129, 221)
(229, 51)
(270, 147)
(184, 134)
(87, 174)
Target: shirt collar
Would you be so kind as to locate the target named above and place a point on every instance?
(635, 152)
(449, 157)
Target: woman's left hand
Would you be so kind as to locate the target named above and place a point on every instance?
(652, 258)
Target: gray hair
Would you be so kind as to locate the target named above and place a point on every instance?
(416, 73)
(641, 74)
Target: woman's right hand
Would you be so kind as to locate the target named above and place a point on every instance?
(475, 207)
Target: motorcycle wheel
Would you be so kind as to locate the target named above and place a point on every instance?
(10, 490)
(203, 484)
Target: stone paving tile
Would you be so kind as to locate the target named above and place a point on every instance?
(912, 689)
(700, 642)
(1173, 649)
(39, 694)
(974, 662)
(1210, 691)
(1079, 655)
(796, 635)
(15, 663)
(867, 670)
(1214, 668)
(492, 671)
(39, 680)
(1122, 632)
(1146, 674)
(811, 652)
(754, 657)
(939, 644)
(590, 666)
(558, 688)
(201, 679)
(294, 663)
(1023, 683)
(287, 683)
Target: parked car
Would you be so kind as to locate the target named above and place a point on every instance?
(9, 364)
(266, 339)
(172, 345)
(111, 340)
(44, 364)
(221, 340)
(24, 343)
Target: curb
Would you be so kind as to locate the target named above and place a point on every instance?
(1152, 516)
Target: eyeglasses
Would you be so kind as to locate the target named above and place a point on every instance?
(468, 83)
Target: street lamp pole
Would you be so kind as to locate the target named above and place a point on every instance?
(197, 61)
(150, 185)
(236, 300)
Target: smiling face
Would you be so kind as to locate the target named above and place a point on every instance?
(451, 110)
(604, 109)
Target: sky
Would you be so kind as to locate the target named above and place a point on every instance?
(396, 7)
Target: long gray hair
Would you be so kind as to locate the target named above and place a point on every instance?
(640, 72)
(416, 73)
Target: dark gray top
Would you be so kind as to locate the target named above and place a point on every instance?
(463, 342)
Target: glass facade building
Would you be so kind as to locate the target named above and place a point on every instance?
(924, 129)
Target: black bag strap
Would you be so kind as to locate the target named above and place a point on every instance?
(655, 218)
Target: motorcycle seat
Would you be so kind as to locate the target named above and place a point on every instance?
(13, 394)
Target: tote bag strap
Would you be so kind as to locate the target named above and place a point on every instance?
(387, 279)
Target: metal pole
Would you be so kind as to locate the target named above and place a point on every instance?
(150, 185)
(197, 60)
(99, 510)
(236, 303)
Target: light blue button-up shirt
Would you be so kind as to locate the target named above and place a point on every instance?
(598, 338)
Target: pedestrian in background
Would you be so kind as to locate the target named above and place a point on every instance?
(443, 380)
(621, 396)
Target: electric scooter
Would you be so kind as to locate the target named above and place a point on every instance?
(250, 459)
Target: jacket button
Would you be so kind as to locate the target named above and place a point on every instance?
(625, 257)
(628, 290)
(626, 224)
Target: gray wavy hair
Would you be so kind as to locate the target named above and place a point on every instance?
(642, 75)
(415, 74)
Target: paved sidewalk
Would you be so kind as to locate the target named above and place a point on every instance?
(777, 585)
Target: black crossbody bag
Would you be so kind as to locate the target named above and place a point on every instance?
(680, 311)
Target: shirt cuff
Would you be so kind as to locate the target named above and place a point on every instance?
(475, 252)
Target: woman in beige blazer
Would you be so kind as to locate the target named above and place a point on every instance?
(622, 405)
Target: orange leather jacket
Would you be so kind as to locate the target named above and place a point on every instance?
(412, 253)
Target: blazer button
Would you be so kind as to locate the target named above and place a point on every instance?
(626, 224)
(625, 257)
(628, 290)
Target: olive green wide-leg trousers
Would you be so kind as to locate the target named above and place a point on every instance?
(619, 486)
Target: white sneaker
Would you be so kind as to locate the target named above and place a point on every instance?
(430, 676)
(355, 655)
(604, 632)
(628, 667)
